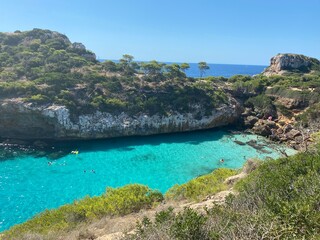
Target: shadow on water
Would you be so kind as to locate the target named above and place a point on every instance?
(129, 143)
(126, 149)
(144, 157)
(59, 149)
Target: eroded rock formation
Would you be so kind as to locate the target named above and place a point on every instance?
(282, 63)
(24, 121)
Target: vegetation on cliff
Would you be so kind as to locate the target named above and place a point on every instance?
(44, 67)
(200, 187)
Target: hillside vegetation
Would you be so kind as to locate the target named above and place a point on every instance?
(44, 67)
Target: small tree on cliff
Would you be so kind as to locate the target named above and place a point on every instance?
(203, 66)
(109, 66)
(184, 67)
(128, 65)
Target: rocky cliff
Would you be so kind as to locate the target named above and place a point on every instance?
(285, 63)
(21, 120)
(51, 88)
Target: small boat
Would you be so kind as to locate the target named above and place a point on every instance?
(75, 152)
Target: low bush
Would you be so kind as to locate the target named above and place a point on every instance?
(262, 104)
(312, 114)
(202, 186)
(284, 111)
(278, 200)
(116, 201)
(39, 98)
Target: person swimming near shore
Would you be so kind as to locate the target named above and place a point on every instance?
(75, 151)
(221, 160)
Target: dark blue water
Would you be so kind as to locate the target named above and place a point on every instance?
(225, 70)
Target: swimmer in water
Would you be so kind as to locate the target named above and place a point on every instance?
(221, 160)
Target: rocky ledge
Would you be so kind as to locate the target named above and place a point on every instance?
(21, 120)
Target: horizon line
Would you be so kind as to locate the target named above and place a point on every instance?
(113, 60)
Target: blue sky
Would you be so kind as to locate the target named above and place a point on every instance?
(225, 31)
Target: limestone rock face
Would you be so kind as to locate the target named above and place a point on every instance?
(282, 63)
(24, 121)
(78, 45)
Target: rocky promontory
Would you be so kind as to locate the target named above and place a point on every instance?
(286, 63)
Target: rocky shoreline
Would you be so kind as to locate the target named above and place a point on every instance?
(279, 130)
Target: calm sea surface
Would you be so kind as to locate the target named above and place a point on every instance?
(225, 70)
(222, 70)
(29, 185)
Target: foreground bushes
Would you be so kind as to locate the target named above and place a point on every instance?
(200, 187)
(278, 200)
(120, 201)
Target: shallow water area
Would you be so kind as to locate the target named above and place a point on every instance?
(29, 185)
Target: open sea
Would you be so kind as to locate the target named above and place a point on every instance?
(225, 70)
(30, 184)
(220, 70)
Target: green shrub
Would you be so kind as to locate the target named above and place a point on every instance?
(116, 201)
(164, 216)
(39, 98)
(284, 111)
(115, 104)
(310, 115)
(287, 189)
(188, 225)
(200, 187)
(262, 104)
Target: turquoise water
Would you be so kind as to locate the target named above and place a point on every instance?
(29, 185)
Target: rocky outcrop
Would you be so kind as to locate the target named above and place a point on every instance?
(284, 63)
(25, 121)
(281, 132)
(291, 103)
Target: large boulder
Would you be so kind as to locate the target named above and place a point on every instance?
(293, 133)
(262, 128)
(250, 121)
